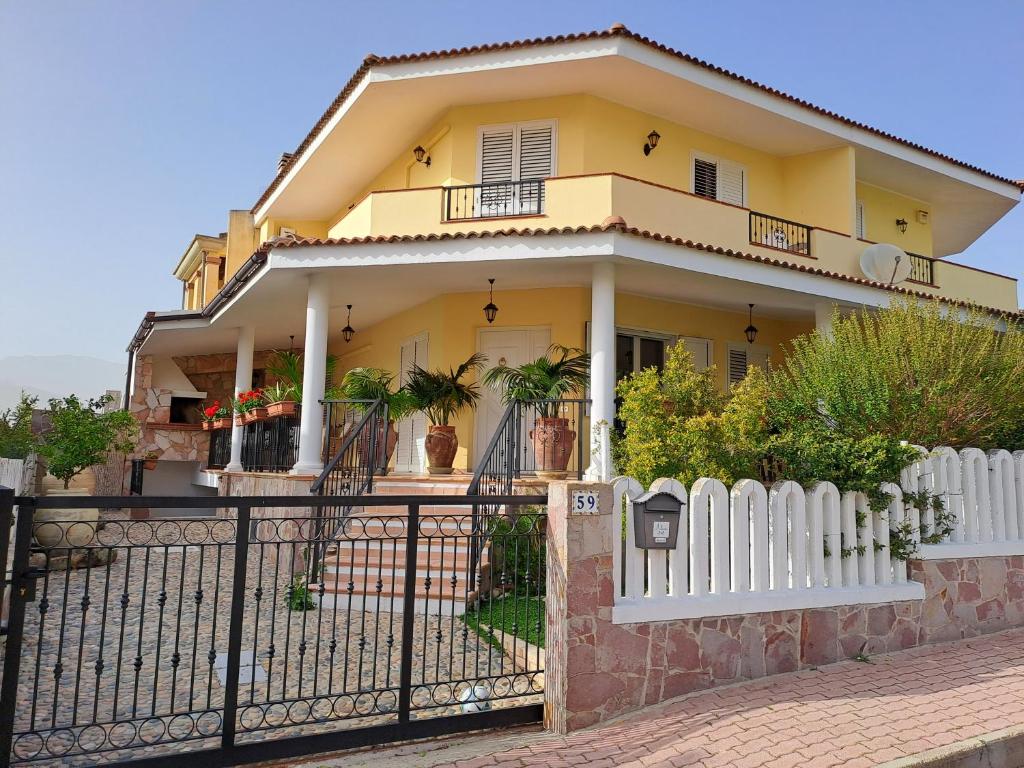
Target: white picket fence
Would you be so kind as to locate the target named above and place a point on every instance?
(750, 550)
(984, 492)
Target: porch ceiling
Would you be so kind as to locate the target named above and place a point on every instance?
(275, 304)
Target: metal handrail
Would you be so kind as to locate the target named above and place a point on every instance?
(347, 443)
(510, 414)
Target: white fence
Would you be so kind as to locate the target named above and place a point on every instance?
(12, 474)
(750, 550)
(983, 494)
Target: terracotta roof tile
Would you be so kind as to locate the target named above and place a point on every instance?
(256, 262)
(616, 30)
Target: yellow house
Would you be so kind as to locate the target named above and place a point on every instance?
(621, 195)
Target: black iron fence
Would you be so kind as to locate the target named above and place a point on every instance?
(223, 640)
(921, 269)
(779, 233)
(271, 445)
(495, 199)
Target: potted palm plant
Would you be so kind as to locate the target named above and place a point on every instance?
(441, 395)
(372, 384)
(561, 372)
(283, 398)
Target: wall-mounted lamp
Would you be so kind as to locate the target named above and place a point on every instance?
(491, 310)
(750, 331)
(652, 141)
(348, 331)
(901, 225)
(420, 153)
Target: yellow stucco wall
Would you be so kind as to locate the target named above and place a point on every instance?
(452, 323)
(883, 207)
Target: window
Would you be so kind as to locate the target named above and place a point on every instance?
(222, 267)
(861, 228)
(518, 152)
(718, 179)
(741, 357)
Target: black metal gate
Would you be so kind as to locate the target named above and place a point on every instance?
(240, 637)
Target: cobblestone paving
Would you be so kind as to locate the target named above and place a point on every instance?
(850, 714)
(144, 636)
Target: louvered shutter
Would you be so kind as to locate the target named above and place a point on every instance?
(705, 178)
(737, 365)
(497, 168)
(536, 162)
(730, 182)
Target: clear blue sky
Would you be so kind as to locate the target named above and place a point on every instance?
(126, 127)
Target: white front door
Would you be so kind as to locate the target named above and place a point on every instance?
(501, 346)
(412, 432)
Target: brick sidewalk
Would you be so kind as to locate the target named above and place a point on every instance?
(850, 714)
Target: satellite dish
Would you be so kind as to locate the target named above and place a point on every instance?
(885, 263)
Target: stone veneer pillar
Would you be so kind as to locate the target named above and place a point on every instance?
(579, 597)
(243, 383)
(314, 376)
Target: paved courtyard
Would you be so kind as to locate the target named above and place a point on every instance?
(851, 714)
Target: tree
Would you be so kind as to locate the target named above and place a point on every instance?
(16, 438)
(82, 434)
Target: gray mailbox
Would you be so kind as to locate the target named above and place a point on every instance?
(656, 520)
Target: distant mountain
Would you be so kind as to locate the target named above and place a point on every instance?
(56, 376)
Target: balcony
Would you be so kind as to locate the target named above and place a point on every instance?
(574, 201)
(268, 445)
(494, 200)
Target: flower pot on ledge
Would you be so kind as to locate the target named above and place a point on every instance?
(222, 423)
(207, 426)
(282, 408)
(256, 414)
(240, 420)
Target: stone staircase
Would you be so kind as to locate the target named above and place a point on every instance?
(365, 568)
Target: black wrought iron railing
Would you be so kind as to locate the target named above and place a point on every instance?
(357, 432)
(921, 269)
(220, 449)
(271, 445)
(546, 439)
(494, 199)
(773, 232)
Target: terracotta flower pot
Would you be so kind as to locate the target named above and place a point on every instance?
(207, 426)
(282, 408)
(222, 423)
(387, 439)
(240, 420)
(149, 464)
(441, 445)
(256, 414)
(552, 446)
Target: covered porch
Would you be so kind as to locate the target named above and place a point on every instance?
(624, 298)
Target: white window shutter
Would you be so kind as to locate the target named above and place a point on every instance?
(496, 154)
(700, 350)
(705, 178)
(730, 182)
(535, 155)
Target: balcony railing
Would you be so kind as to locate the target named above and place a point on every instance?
(921, 270)
(783, 234)
(269, 445)
(220, 449)
(494, 200)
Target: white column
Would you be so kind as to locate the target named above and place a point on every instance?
(314, 374)
(823, 317)
(243, 383)
(602, 369)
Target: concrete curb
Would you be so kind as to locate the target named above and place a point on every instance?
(999, 749)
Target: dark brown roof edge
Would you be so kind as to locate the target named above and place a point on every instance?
(617, 30)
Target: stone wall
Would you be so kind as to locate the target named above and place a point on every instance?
(151, 407)
(969, 596)
(597, 670)
(215, 374)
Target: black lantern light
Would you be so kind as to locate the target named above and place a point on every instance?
(652, 142)
(348, 331)
(491, 310)
(750, 331)
(420, 153)
(901, 225)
